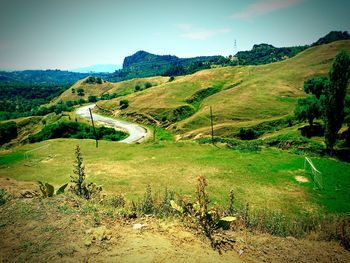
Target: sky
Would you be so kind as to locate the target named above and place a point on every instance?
(68, 34)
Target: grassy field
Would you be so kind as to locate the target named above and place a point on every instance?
(265, 179)
(247, 94)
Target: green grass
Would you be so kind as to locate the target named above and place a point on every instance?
(260, 92)
(265, 179)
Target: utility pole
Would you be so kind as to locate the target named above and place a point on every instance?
(212, 127)
(93, 126)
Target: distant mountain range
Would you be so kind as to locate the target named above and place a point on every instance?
(40, 77)
(98, 68)
(144, 64)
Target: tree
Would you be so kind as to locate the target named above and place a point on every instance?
(98, 80)
(308, 109)
(8, 131)
(92, 98)
(137, 87)
(347, 120)
(316, 85)
(80, 92)
(148, 85)
(334, 98)
(123, 104)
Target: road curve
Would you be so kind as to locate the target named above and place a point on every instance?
(136, 132)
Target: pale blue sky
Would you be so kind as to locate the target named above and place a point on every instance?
(67, 34)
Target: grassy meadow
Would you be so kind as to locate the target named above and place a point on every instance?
(265, 179)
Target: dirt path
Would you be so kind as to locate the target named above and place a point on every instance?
(136, 132)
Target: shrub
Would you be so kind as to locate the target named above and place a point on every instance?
(92, 98)
(118, 201)
(8, 131)
(81, 101)
(3, 196)
(76, 130)
(79, 187)
(123, 104)
(81, 92)
(181, 113)
(147, 205)
(248, 134)
(137, 87)
(148, 85)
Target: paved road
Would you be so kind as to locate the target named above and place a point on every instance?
(136, 132)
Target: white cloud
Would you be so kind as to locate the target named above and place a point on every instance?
(191, 32)
(185, 26)
(262, 7)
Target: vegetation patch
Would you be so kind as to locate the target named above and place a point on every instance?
(181, 113)
(8, 131)
(200, 95)
(76, 130)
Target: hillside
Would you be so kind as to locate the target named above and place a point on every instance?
(265, 53)
(40, 77)
(144, 64)
(240, 96)
(95, 89)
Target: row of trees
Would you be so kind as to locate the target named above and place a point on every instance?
(328, 100)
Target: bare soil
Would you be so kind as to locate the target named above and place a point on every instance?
(66, 229)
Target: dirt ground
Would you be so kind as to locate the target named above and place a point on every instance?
(63, 229)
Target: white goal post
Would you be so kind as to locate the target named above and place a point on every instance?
(315, 174)
(28, 155)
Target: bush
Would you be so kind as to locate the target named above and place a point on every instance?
(92, 98)
(147, 205)
(137, 87)
(123, 104)
(248, 134)
(181, 113)
(148, 85)
(81, 92)
(79, 187)
(3, 196)
(118, 201)
(81, 101)
(76, 130)
(8, 131)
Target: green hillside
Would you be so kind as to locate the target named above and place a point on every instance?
(240, 96)
(95, 89)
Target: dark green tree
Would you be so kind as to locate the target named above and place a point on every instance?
(347, 120)
(8, 131)
(123, 104)
(80, 92)
(334, 98)
(148, 85)
(92, 98)
(316, 85)
(308, 109)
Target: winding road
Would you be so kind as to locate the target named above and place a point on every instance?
(136, 132)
